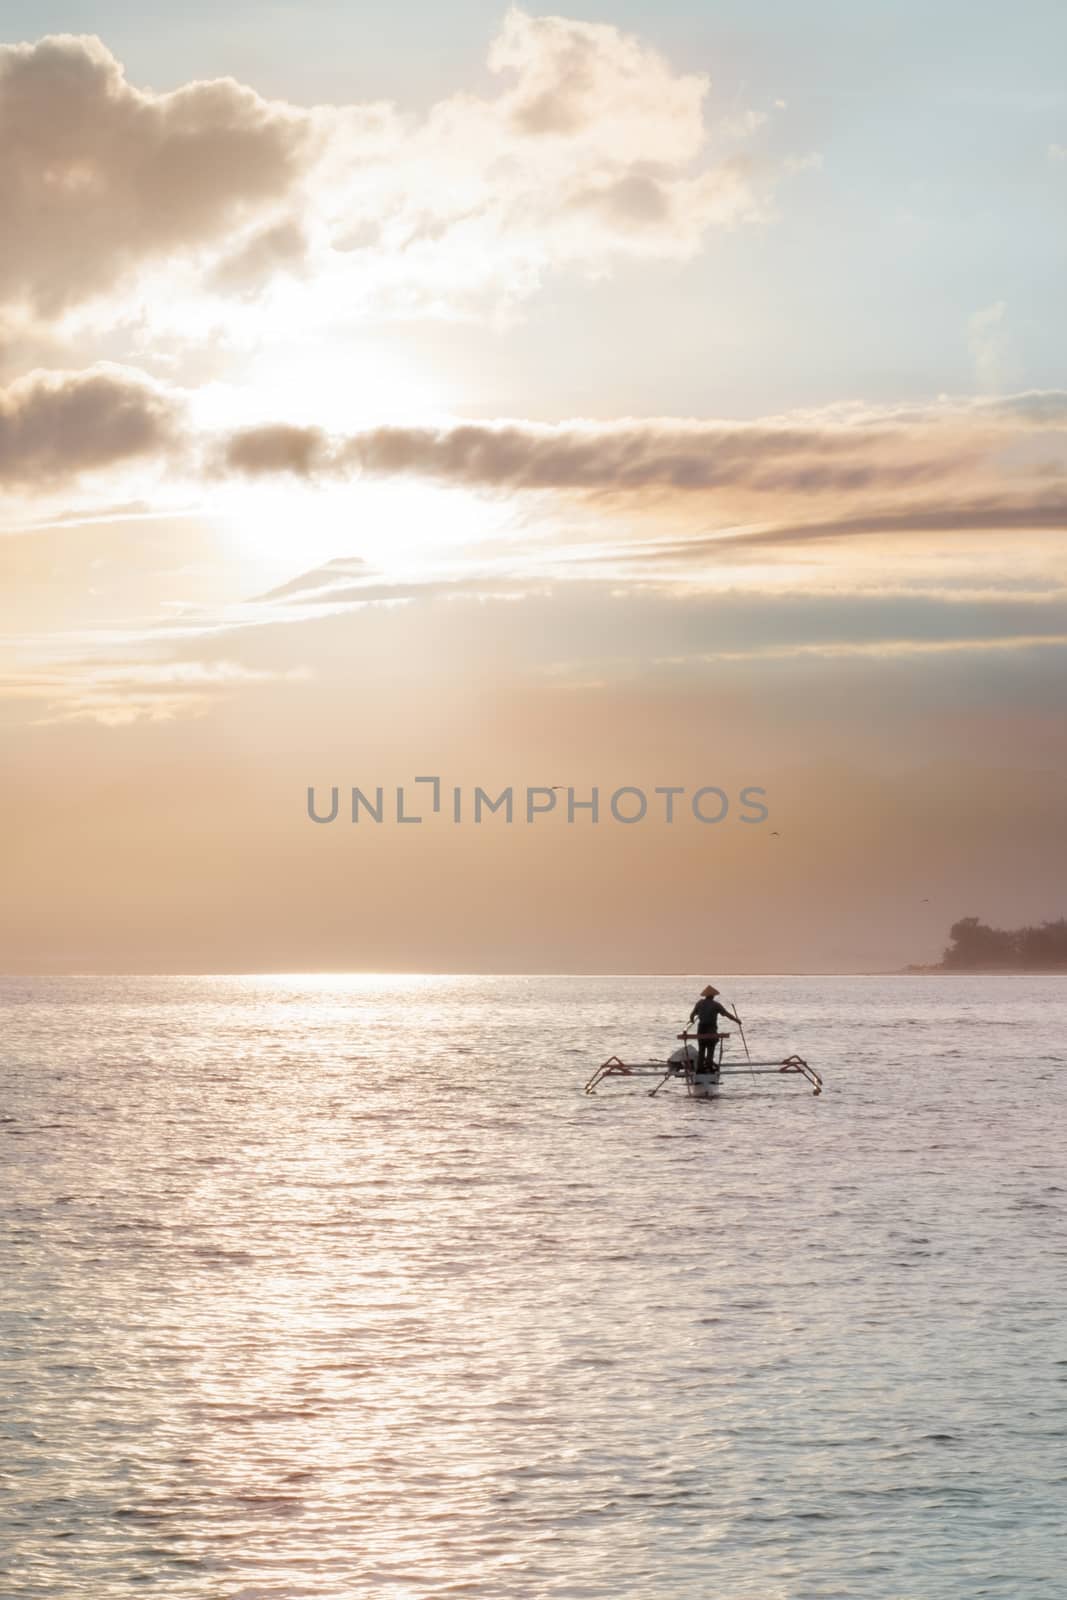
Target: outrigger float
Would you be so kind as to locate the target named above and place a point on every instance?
(682, 1064)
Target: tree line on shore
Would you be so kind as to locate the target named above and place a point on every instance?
(976, 947)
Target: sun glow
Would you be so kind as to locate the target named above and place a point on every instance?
(339, 385)
(401, 526)
(402, 529)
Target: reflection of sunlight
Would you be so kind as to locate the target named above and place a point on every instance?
(361, 983)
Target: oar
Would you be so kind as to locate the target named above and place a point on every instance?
(741, 1028)
(744, 1041)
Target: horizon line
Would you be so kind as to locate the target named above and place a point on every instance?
(910, 971)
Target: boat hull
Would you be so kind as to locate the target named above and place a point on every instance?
(698, 1085)
(702, 1085)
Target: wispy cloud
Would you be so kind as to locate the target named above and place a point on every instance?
(116, 693)
(327, 624)
(875, 649)
(1037, 512)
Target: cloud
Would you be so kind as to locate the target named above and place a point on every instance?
(589, 147)
(622, 457)
(715, 489)
(662, 621)
(57, 425)
(333, 625)
(1036, 512)
(275, 448)
(586, 80)
(565, 631)
(892, 649)
(97, 176)
(1037, 407)
(345, 570)
(835, 453)
(593, 147)
(117, 693)
(279, 247)
(844, 472)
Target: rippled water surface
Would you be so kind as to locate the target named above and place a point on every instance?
(340, 1287)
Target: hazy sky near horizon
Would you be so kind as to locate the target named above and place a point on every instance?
(642, 396)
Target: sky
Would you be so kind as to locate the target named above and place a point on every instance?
(637, 397)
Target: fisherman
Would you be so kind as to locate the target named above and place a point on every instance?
(705, 1014)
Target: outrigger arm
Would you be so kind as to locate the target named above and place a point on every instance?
(613, 1067)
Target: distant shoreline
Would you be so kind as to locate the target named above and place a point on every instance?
(938, 971)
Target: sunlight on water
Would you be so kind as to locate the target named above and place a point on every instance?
(337, 1286)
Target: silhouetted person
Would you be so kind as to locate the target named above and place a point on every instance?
(706, 1014)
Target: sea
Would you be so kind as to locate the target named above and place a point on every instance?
(340, 1286)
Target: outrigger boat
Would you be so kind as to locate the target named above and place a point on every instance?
(682, 1064)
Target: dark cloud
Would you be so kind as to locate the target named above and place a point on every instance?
(97, 176)
(1038, 512)
(955, 468)
(620, 457)
(960, 469)
(54, 426)
(281, 247)
(638, 199)
(256, 452)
